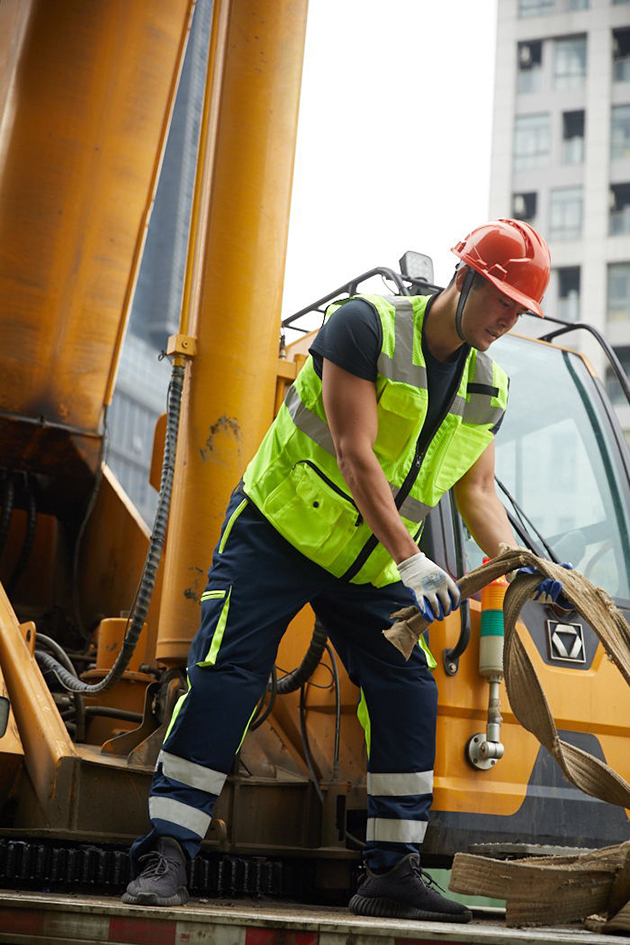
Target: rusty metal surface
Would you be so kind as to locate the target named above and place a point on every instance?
(64, 461)
(222, 920)
(87, 92)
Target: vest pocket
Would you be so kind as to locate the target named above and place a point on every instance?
(310, 514)
(400, 411)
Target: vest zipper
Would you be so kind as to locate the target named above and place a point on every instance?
(332, 485)
(407, 486)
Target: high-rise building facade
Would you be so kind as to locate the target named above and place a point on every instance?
(561, 157)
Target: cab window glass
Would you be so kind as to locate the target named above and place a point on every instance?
(557, 458)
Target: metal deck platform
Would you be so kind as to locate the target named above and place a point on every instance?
(77, 919)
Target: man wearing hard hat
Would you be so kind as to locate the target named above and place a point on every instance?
(397, 404)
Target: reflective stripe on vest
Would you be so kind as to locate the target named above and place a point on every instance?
(294, 478)
(401, 367)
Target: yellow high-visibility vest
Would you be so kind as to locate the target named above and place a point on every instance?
(294, 478)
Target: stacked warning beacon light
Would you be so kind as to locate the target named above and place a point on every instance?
(484, 751)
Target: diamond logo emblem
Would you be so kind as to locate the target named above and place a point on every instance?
(566, 642)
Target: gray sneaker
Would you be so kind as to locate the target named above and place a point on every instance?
(405, 892)
(162, 881)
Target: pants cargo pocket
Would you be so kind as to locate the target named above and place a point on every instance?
(215, 607)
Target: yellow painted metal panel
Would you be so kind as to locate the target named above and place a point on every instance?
(114, 551)
(229, 392)
(49, 752)
(88, 90)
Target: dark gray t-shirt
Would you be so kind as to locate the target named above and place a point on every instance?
(352, 339)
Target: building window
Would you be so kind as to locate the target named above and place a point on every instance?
(621, 55)
(615, 2)
(530, 66)
(565, 213)
(573, 137)
(620, 132)
(579, 4)
(619, 209)
(569, 293)
(524, 206)
(618, 292)
(613, 387)
(532, 141)
(535, 7)
(569, 62)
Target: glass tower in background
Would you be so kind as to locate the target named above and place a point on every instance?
(561, 158)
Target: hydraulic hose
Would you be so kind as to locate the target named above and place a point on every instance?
(335, 674)
(64, 659)
(8, 498)
(312, 658)
(147, 581)
(263, 714)
(306, 744)
(111, 712)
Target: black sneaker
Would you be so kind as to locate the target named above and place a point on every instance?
(405, 892)
(162, 881)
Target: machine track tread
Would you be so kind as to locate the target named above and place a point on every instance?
(57, 865)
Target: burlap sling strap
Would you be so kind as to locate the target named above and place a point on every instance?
(523, 687)
(528, 702)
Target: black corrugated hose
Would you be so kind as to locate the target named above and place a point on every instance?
(8, 497)
(147, 581)
(312, 658)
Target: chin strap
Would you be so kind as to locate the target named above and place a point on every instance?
(467, 286)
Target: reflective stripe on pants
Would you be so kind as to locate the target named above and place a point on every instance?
(270, 582)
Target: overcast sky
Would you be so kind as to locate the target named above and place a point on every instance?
(394, 137)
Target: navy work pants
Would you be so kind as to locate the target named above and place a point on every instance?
(257, 583)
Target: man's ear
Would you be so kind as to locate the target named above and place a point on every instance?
(460, 275)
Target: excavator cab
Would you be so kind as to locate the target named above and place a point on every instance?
(562, 465)
(563, 475)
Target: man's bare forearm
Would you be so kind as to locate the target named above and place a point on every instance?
(486, 520)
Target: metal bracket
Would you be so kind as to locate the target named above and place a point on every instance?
(182, 344)
(451, 655)
(483, 754)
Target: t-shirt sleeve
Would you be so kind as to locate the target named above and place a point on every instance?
(495, 429)
(352, 339)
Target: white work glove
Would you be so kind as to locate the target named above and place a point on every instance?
(436, 593)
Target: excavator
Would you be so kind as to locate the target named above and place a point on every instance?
(97, 610)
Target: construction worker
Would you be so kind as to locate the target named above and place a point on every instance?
(397, 404)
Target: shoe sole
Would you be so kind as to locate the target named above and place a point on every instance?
(389, 909)
(150, 899)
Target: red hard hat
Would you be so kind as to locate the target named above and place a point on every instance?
(513, 256)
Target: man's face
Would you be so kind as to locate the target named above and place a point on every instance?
(488, 314)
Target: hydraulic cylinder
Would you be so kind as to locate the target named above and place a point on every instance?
(239, 252)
